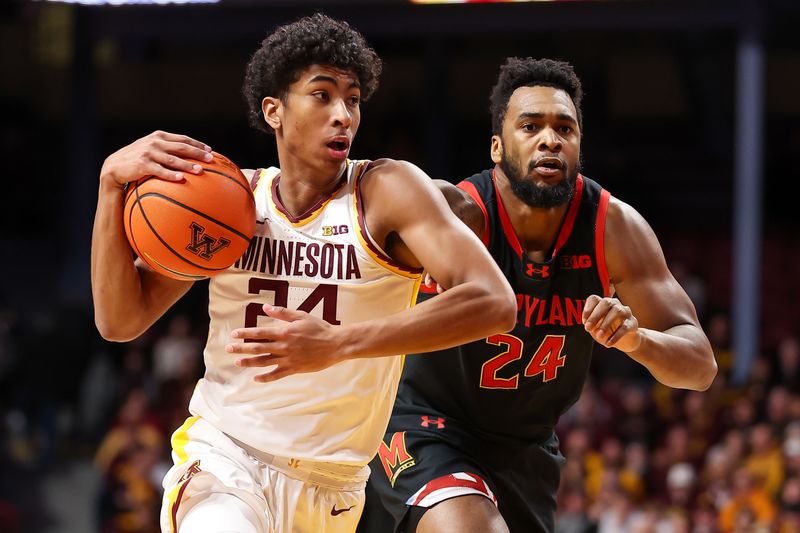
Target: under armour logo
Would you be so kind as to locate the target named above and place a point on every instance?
(543, 272)
(427, 421)
(204, 245)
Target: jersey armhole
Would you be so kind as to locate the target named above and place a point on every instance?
(372, 248)
(263, 176)
(255, 178)
(599, 240)
(470, 189)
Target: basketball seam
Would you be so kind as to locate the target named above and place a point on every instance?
(130, 218)
(173, 271)
(237, 182)
(130, 213)
(196, 212)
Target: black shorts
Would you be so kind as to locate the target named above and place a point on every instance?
(418, 449)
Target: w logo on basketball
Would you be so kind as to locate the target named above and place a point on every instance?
(204, 245)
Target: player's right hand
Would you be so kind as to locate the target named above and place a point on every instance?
(159, 154)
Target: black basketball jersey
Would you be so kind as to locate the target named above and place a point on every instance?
(517, 384)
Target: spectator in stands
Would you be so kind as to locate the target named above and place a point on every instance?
(749, 507)
(765, 461)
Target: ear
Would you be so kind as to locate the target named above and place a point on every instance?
(497, 149)
(272, 108)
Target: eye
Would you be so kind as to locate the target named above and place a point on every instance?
(321, 95)
(354, 101)
(529, 127)
(565, 130)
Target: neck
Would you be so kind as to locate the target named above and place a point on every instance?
(303, 183)
(536, 227)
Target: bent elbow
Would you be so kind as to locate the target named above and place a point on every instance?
(708, 376)
(114, 333)
(506, 313)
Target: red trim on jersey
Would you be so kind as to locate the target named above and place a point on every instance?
(254, 179)
(449, 481)
(599, 240)
(572, 212)
(469, 188)
(177, 504)
(566, 227)
(508, 228)
(308, 212)
(373, 246)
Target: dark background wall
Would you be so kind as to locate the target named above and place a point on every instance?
(80, 82)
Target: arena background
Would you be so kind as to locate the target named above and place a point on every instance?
(690, 115)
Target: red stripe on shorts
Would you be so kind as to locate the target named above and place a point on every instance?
(451, 481)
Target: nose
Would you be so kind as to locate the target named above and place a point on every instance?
(341, 114)
(549, 141)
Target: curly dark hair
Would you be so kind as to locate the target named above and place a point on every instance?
(529, 72)
(290, 49)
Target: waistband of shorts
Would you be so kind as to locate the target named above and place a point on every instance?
(333, 475)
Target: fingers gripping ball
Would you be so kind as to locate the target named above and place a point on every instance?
(192, 229)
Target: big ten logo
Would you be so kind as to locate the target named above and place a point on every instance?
(574, 262)
(327, 231)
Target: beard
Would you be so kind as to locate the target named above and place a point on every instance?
(534, 195)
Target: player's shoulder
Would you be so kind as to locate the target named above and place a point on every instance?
(394, 177)
(256, 176)
(485, 176)
(386, 167)
(622, 215)
(625, 225)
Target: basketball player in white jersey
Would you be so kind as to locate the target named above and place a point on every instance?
(282, 426)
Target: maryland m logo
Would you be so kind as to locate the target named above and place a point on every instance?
(204, 245)
(395, 457)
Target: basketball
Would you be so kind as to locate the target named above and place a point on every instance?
(193, 229)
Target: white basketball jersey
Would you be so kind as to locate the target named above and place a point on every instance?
(323, 262)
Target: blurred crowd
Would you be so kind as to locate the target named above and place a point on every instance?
(640, 457)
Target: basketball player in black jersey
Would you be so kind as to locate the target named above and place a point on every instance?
(470, 445)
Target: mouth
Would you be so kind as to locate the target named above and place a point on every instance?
(549, 166)
(552, 163)
(338, 146)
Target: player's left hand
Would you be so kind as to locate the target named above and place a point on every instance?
(429, 282)
(297, 342)
(611, 323)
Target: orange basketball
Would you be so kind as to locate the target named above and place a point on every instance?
(193, 229)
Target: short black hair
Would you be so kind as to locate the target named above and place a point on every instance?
(528, 72)
(292, 48)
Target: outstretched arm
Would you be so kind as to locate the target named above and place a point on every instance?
(128, 296)
(654, 321)
(401, 203)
